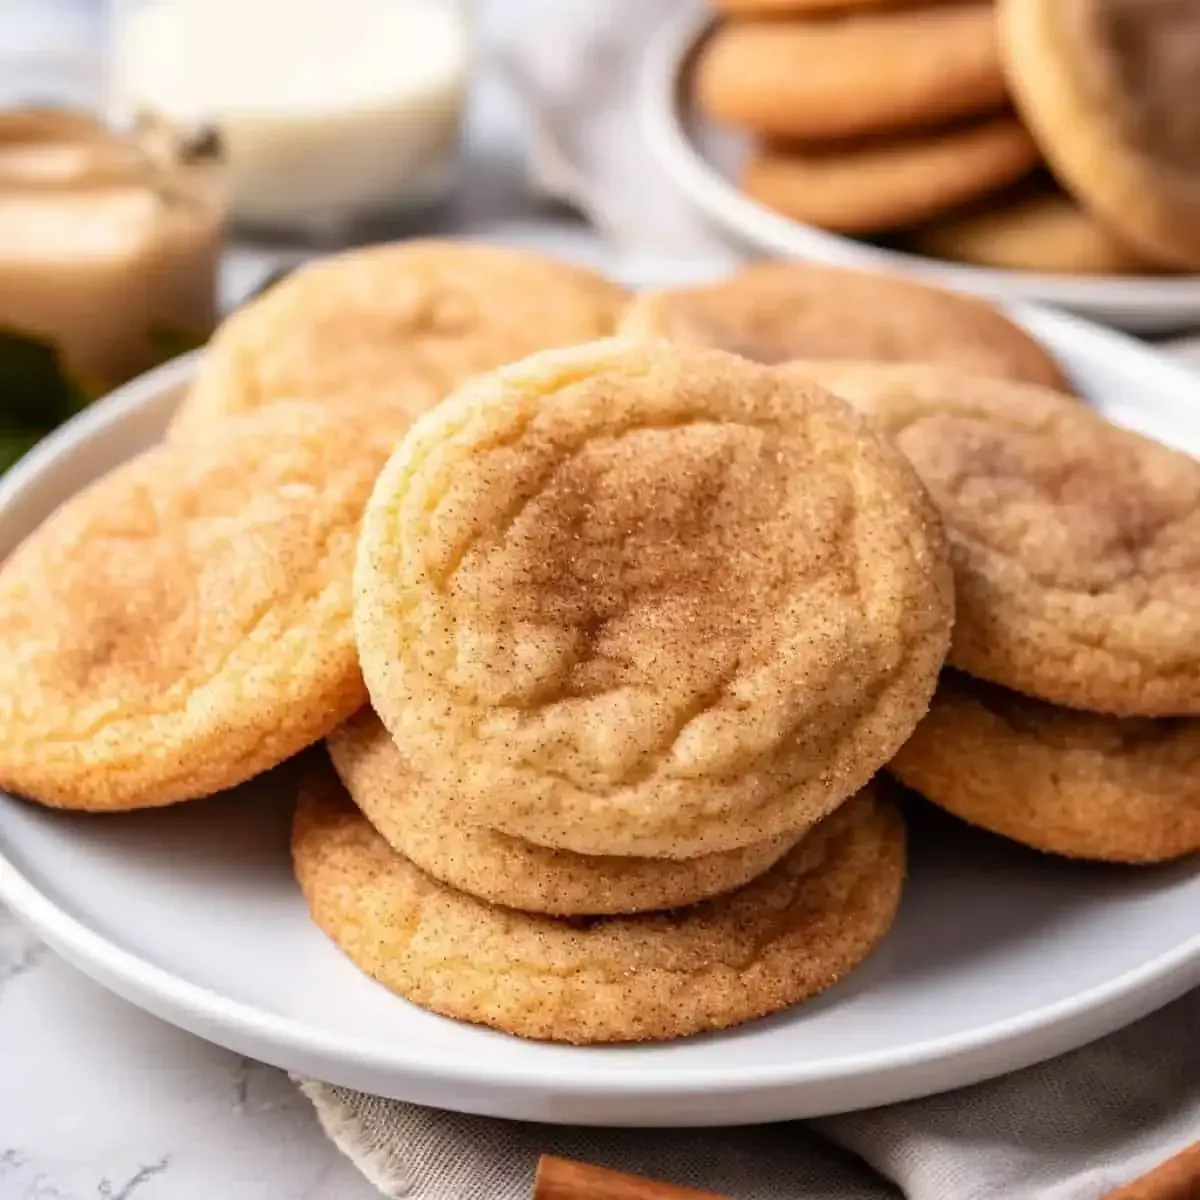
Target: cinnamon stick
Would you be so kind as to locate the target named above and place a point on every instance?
(565, 1179)
(1176, 1179)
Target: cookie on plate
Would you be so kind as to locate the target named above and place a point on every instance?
(508, 871)
(400, 324)
(1107, 87)
(853, 74)
(773, 312)
(1076, 544)
(791, 933)
(1072, 783)
(1040, 229)
(877, 184)
(649, 600)
(184, 623)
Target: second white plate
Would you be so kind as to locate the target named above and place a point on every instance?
(701, 160)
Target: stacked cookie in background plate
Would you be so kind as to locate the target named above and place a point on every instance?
(588, 656)
(933, 124)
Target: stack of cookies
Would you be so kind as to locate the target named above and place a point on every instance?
(639, 625)
(593, 653)
(1072, 722)
(873, 118)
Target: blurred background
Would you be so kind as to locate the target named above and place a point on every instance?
(161, 160)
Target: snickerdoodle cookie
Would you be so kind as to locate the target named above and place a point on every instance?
(508, 871)
(1109, 89)
(1076, 544)
(779, 940)
(773, 312)
(402, 324)
(649, 600)
(1072, 783)
(852, 74)
(185, 622)
(877, 184)
(1040, 229)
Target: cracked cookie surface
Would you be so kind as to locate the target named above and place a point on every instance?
(649, 600)
(779, 940)
(505, 870)
(184, 623)
(1078, 784)
(1076, 544)
(775, 312)
(401, 324)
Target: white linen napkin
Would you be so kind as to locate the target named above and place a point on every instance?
(1072, 1129)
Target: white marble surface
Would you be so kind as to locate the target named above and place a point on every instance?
(100, 1101)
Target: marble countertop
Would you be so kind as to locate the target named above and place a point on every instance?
(100, 1101)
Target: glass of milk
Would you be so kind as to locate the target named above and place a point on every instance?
(328, 114)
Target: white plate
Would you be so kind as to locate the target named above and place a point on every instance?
(702, 159)
(999, 958)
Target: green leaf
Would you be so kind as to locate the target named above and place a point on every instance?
(170, 341)
(14, 445)
(36, 390)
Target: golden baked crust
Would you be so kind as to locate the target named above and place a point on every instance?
(1072, 783)
(882, 183)
(505, 870)
(772, 312)
(1108, 86)
(1076, 544)
(184, 623)
(852, 74)
(400, 324)
(648, 600)
(1038, 230)
(779, 940)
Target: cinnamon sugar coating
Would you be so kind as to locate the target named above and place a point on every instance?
(649, 600)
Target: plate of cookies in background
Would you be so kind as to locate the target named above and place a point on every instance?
(484, 683)
(1033, 150)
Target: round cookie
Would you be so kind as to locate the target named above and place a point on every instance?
(883, 183)
(773, 312)
(648, 600)
(852, 74)
(401, 324)
(1076, 544)
(1042, 230)
(184, 623)
(1072, 783)
(791, 933)
(1107, 86)
(507, 871)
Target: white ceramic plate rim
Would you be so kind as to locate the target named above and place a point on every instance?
(1173, 300)
(196, 1007)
